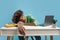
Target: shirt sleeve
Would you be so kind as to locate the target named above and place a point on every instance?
(20, 25)
(35, 22)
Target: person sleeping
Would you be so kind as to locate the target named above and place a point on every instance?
(20, 19)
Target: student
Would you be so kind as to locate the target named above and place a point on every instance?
(19, 18)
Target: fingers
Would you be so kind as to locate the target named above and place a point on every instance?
(22, 31)
(23, 28)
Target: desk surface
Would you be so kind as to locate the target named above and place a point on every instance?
(32, 27)
(30, 31)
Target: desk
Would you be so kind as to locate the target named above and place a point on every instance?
(30, 31)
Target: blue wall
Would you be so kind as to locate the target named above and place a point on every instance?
(38, 8)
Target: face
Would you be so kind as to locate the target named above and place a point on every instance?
(22, 18)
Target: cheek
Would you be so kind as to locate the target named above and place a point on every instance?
(23, 18)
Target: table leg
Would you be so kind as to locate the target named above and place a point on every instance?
(51, 37)
(46, 38)
(12, 38)
(8, 37)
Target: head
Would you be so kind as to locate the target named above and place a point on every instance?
(22, 18)
(18, 16)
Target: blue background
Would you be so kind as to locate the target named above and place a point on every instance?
(38, 8)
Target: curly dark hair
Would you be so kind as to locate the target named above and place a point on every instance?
(16, 16)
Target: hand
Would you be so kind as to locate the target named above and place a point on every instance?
(21, 31)
(21, 28)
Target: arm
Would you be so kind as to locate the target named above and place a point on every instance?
(21, 28)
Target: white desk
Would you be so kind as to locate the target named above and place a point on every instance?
(30, 31)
